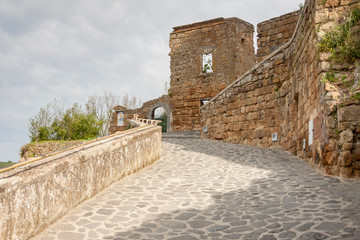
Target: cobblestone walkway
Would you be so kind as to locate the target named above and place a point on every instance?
(202, 189)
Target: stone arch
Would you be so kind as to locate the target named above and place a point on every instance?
(150, 114)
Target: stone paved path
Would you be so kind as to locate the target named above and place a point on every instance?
(203, 189)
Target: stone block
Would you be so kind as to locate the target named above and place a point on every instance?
(344, 126)
(345, 159)
(356, 174)
(346, 137)
(356, 165)
(329, 158)
(349, 113)
(328, 170)
(356, 152)
(331, 123)
(347, 146)
(346, 172)
(331, 133)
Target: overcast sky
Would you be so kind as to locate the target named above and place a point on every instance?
(70, 50)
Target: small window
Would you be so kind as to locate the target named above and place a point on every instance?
(120, 119)
(207, 63)
(204, 101)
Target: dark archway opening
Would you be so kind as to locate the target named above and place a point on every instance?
(160, 114)
(161, 111)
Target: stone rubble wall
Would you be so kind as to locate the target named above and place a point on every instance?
(283, 94)
(340, 153)
(274, 33)
(34, 196)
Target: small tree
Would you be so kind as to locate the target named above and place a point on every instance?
(101, 107)
(41, 122)
(131, 102)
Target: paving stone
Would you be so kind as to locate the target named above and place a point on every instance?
(290, 235)
(305, 227)
(233, 236)
(216, 228)
(242, 228)
(268, 237)
(273, 226)
(203, 189)
(185, 216)
(173, 224)
(185, 237)
(149, 225)
(199, 224)
(313, 236)
(105, 211)
(71, 236)
(155, 236)
(251, 236)
(331, 226)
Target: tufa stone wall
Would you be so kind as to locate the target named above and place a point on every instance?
(274, 33)
(283, 103)
(230, 41)
(36, 195)
(339, 154)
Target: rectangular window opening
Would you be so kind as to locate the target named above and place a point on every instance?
(207, 63)
(204, 101)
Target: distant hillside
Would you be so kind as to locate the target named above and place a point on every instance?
(6, 164)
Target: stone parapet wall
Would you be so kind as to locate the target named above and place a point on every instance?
(34, 196)
(274, 33)
(282, 101)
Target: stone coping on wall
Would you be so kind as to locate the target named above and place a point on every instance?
(211, 22)
(144, 121)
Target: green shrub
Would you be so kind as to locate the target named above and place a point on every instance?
(74, 124)
(6, 164)
(343, 45)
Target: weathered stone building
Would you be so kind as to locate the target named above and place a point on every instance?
(205, 58)
(225, 46)
(284, 101)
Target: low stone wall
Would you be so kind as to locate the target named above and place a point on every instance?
(34, 196)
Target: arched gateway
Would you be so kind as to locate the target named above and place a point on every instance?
(121, 116)
(151, 113)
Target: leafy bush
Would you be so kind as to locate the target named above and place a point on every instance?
(74, 124)
(6, 164)
(343, 45)
(53, 122)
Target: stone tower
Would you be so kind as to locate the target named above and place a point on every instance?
(205, 58)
